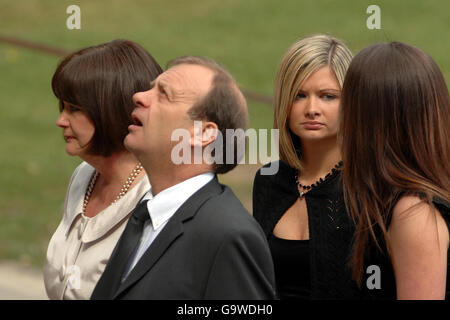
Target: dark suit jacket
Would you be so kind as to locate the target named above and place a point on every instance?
(211, 248)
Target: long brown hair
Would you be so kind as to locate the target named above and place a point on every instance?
(395, 137)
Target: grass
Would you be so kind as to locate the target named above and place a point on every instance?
(248, 37)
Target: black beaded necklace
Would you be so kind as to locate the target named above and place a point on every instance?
(306, 188)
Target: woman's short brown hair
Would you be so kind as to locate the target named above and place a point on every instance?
(101, 80)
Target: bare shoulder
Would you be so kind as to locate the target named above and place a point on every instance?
(411, 216)
(408, 206)
(419, 240)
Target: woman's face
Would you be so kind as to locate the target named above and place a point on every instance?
(78, 129)
(314, 113)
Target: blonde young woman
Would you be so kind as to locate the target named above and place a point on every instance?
(301, 207)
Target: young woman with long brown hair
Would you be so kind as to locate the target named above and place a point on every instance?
(395, 134)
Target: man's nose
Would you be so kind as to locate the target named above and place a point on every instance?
(142, 99)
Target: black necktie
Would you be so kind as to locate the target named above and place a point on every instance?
(132, 234)
(120, 258)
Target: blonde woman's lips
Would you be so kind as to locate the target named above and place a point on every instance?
(312, 125)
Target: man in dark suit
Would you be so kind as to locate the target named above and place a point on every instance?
(190, 237)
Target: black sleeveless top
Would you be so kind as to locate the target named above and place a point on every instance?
(291, 264)
(328, 251)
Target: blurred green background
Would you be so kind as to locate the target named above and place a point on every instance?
(249, 37)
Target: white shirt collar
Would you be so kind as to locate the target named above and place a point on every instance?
(164, 205)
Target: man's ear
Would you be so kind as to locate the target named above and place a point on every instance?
(205, 132)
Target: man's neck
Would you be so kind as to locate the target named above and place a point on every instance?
(162, 178)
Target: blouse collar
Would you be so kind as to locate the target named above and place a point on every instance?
(94, 228)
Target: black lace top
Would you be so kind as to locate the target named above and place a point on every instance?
(331, 234)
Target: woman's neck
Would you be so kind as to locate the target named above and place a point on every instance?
(318, 158)
(114, 169)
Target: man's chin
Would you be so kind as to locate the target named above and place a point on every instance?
(132, 146)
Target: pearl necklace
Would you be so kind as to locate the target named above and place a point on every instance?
(122, 192)
(307, 188)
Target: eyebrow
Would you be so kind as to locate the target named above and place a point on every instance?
(324, 90)
(330, 89)
(162, 85)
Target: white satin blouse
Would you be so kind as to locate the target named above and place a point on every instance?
(81, 246)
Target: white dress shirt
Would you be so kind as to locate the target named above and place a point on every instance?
(161, 208)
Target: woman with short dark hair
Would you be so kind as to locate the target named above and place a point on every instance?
(395, 133)
(95, 86)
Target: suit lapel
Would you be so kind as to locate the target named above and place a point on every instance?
(171, 232)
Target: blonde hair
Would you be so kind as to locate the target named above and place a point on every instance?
(302, 59)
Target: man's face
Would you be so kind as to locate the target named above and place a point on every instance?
(163, 109)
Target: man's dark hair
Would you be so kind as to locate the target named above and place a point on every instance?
(224, 105)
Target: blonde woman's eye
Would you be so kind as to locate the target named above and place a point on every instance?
(300, 96)
(329, 97)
